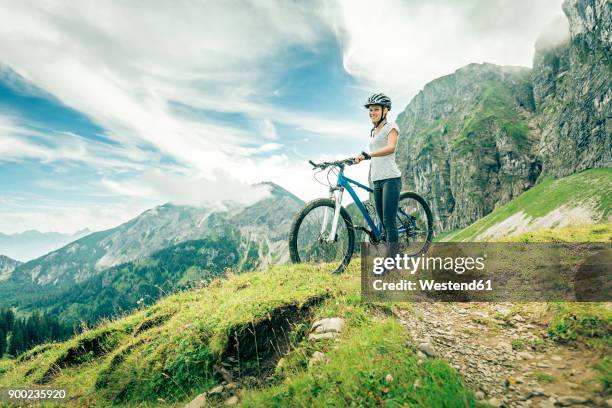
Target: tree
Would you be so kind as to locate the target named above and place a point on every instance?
(2, 342)
(16, 345)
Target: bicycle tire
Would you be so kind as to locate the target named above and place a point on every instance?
(425, 207)
(299, 218)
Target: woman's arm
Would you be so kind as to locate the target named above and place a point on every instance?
(389, 148)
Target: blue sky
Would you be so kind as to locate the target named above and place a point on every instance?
(109, 109)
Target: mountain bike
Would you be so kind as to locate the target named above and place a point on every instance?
(323, 232)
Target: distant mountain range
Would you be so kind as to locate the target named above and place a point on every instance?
(31, 244)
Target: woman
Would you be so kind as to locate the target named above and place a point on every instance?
(384, 173)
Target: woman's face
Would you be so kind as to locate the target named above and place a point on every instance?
(376, 112)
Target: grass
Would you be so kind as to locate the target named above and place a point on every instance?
(497, 107)
(586, 322)
(543, 377)
(592, 186)
(573, 233)
(167, 354)
(518, 345)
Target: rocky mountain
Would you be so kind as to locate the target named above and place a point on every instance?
(475, 139)
(468, 142)
(7, 265)
(31, 244)
(572, 88)
(259, 233)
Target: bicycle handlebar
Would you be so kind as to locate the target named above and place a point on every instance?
(337, 163)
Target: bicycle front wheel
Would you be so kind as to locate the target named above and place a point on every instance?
(414, 224)
(309, 236)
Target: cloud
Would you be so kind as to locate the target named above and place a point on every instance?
(67, 217)
(187, 189)
(20, 142)
(398, 46)
(555, 33)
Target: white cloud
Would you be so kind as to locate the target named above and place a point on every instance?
(397, 47)
(68, 217)
(188, 189)
(19, 142)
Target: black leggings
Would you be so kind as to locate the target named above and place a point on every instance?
(386, 198)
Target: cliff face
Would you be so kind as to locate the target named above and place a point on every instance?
(468, 142)
(572, 86)
(473, 140)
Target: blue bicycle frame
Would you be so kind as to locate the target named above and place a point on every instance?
(345, 183)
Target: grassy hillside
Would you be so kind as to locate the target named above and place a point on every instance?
(187, 343)
(582, 198)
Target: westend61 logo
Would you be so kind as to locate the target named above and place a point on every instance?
(489, 272)
(412, 264)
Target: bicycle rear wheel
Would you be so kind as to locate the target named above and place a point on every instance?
(414, 224)
(308, 236)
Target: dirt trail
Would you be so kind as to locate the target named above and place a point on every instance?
(478, 338)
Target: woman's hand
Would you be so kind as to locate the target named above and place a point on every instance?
(359, 158)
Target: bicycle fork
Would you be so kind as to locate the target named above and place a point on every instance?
(337, 206)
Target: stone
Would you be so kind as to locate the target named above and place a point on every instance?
(608, 403)
(334, 324)
(523, 355)
(480, 395)
(546, 404)
(231, 401)
(570, 400)
(536, 392)
(198, 402)
(518, 318)
(494, 402)
(322, 336)
(389, 378)
(317, 357)
(427, 349)
(216, 390)
(416, 384)
(281, 363)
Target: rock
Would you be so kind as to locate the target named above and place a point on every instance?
(570, 400)
(542, 365)
(231, 386)
(556, 358)
(198, 402)
(608, 403)
(523, 355)
(494, 402)
(518, 318)
(480, 395)
(536, 392)
(231, 401)
(317, 357)
(546, 404)
(322, 336)
(216, 390)
(421, 355)
(428, 349)
(281, 363)
(334, 324)
(416, 384)
(389, 378)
